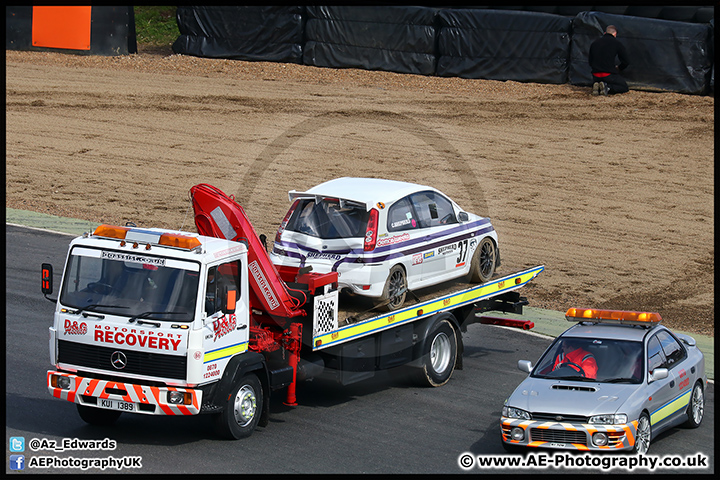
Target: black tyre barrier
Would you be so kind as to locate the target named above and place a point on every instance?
(613, 9)
(644, 11)
(571, 11)
(678, 13)
(704, 15)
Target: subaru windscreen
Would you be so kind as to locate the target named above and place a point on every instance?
(592, 359)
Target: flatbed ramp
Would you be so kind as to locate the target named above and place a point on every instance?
(346, 326)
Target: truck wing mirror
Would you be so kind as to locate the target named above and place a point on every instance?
(47, 278)
(47, 281)
(462, 217)
(229, 300)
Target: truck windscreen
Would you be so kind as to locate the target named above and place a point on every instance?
(130, 284)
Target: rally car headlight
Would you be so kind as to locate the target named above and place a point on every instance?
(512, 412)
(609, 419)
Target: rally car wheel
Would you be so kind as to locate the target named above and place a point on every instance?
(395, 289)
(483, 261)
(696, 407)
(439, 356)
(643, 435)
(97, 416)
(242, 410)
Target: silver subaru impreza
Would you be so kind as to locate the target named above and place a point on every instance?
(611, 382)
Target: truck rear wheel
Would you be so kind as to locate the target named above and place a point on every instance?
(97, 416)
(439, 356)
(242, 409)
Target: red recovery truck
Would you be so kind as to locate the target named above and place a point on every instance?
(163, 322)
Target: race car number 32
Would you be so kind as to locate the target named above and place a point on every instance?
(116, 405)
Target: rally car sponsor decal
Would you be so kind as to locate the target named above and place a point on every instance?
(393, 240)
(324, 256)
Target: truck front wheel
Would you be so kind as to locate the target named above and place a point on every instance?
(439, 356)
(242, 409)
(97, 416)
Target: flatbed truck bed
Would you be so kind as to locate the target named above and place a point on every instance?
(354, 321)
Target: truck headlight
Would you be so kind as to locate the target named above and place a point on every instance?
(179, 398)
(60, 381)
(608, 419)
(512, 412)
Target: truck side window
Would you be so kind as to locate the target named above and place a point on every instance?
(211, 291)
(220, 277)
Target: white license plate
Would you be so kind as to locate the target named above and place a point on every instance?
(558, 445)
(116, 405)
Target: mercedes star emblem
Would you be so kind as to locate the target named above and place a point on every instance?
(118, 360)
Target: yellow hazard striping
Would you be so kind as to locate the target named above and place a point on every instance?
(225, 352)
(422, 310)
(669, 408)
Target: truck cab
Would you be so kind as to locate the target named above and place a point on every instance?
(145, 319)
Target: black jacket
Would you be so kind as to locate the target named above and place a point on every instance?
(603, 52)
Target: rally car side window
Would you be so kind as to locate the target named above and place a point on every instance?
(433, 209)
(401, 216)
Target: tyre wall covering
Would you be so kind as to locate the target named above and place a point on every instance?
(504, 45)
(712, 53)
(396, 39)
(272, 34)
(670, 48)
(112, 30)
(664, 55)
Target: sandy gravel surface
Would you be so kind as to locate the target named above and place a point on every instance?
(614, 195)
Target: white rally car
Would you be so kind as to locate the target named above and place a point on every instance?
(384, 237)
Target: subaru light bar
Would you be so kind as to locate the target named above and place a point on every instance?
(612, 316)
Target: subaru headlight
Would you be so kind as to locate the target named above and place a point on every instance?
(608, 419)
(512, 412)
